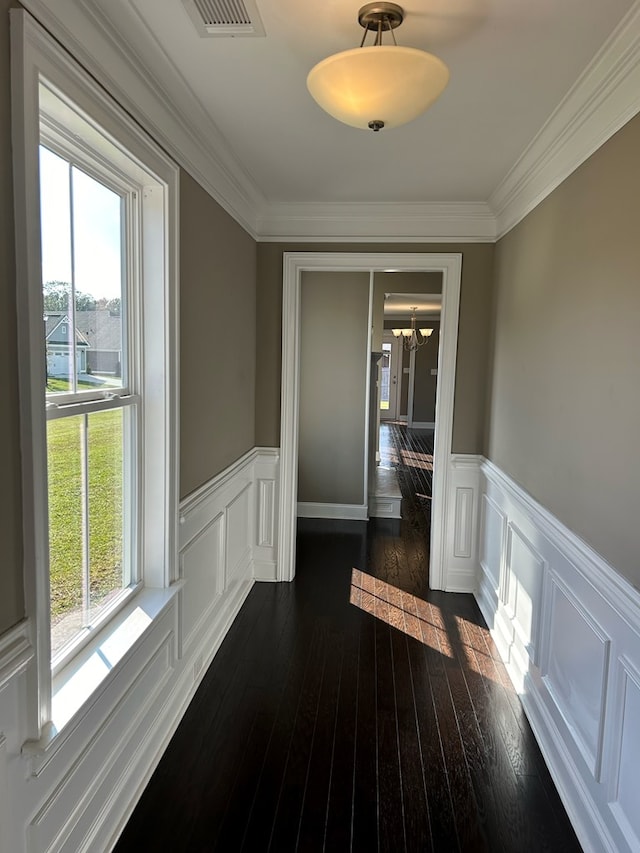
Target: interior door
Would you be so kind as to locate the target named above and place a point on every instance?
(390, 377)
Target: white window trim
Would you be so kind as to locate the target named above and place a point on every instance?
(35, 55)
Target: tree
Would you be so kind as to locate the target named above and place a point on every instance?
(56, 297)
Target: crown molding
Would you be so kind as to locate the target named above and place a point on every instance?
(175, 119)
(412, 222)
(604, 98)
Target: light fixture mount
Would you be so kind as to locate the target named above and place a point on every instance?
(380, 16)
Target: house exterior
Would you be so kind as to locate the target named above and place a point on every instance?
(59, 351)
(545, 431)
(102, 330)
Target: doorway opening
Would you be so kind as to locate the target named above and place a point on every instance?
(294, 265)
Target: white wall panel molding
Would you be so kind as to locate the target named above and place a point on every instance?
(574, 670)
(72, 799)
(604, 98)
(16, 651)
(196, 510)
(491, 550)
(266, 471)
(202, 570)
(461, 540)
(523, 574)
(468, 222)
(588, 822)
(266, 518)
(568, 627)
(5, 810)
(625, 757)
(612, 585)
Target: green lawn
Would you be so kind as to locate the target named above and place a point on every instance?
(56, 384)
(104, 487)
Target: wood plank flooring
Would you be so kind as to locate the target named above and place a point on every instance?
(355, 711)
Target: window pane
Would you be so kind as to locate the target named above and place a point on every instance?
(85, 469)
(97, 229)
(65, 454)
(105, 442)
(56, 269)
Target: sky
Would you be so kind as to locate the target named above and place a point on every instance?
(96, 231)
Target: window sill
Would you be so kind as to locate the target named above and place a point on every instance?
(79, 685)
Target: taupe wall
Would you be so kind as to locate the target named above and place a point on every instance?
(11, 595)
(473, 345)
(565, 412)
(333, 369)
(425, 385)
(217, 337)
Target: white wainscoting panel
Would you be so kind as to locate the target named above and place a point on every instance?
(493, 530)
(575, 670)
(568, 628)
(240, 526)
(5, 811)
(522, 579)
(74, 792)
(625, 804)
(202, 568)
(461, 542)
(266, 469)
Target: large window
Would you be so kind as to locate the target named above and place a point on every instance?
(97, 258)
(90, 305)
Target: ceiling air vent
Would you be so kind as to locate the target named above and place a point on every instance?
(227, 18)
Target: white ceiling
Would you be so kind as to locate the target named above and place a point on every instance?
(511, 62)
(402, 304)
(243, 103)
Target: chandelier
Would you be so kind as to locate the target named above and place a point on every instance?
(413, 338)
(378, 85)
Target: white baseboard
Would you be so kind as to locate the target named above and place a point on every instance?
(422, 425)
(385, 506)
(265, 570)
(567, 626)
(354, 512)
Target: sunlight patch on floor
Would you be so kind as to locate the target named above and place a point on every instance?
(425, 622)
(414, 459)
(411, 615)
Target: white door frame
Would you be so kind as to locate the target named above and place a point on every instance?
(294, 263)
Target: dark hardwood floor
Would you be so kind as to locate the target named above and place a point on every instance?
(354, 710)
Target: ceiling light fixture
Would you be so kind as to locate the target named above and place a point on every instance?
(413, 338)
(378, 85)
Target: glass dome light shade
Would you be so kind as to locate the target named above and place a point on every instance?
(384, 83)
